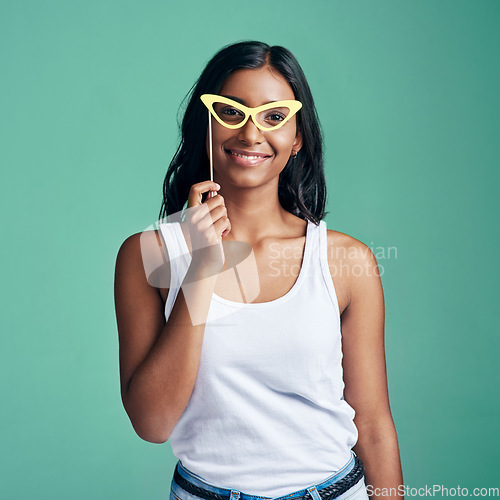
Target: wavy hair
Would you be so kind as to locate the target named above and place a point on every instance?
(302, 186)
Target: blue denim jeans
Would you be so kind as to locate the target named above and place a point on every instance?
(356, 492)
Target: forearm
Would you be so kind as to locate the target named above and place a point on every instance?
(160, 388)
(378, 449)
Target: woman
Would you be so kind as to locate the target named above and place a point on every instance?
(233, 347)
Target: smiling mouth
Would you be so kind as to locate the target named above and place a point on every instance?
(249, 156)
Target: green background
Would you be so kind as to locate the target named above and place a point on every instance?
(407, 93)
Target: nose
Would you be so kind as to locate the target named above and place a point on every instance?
(250, 133)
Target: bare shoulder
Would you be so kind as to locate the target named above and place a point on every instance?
(353, 266)
(144, 255)
(129, 255)
(348, 247)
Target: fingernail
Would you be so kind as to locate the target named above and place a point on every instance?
(218, 186)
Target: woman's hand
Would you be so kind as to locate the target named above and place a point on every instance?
(208, 223)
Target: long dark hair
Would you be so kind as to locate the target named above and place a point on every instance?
(302, 186)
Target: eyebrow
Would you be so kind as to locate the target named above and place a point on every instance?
(242, 101)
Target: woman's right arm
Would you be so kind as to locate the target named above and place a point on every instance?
(159, 361)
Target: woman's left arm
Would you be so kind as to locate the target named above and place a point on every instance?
(365, 375)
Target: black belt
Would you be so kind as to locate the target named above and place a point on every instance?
(328, 493)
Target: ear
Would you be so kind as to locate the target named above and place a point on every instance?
(297, 143)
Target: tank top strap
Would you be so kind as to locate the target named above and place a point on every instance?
(314, 242)
(315, 262)
(325, 266)
(178, 256)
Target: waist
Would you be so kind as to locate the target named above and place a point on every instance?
(349, 477)
(233, 448)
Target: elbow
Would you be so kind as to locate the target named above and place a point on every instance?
(155, 434)
(151, 422)
(153, 438)
(151, 428)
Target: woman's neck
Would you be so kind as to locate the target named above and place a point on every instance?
(256, 214)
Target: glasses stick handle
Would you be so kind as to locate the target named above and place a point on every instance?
(213, 193)
(210, 146)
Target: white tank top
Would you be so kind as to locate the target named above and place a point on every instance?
(267, 415)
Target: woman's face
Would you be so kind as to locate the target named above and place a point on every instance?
(253, 87)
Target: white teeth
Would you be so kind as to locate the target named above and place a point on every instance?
(245, 156)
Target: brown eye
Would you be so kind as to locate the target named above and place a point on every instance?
(275, 117)
(228, 114)
(228, 111)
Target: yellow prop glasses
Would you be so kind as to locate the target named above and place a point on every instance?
(232, 114)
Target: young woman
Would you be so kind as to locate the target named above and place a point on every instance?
(250, 335)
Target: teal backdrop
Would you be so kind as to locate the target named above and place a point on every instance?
(408, 96)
